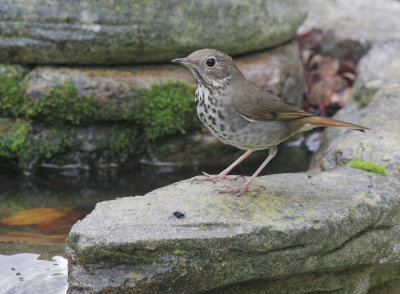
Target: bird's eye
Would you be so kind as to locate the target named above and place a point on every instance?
(211, 62)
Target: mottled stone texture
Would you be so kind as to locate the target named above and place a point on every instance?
(136, 31)
(362, 20)
(377, 105)
(304, 233)
(352, 26)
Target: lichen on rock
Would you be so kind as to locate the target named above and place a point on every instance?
(330, 228)
(124, 32)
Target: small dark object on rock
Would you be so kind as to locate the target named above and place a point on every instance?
(179, 214)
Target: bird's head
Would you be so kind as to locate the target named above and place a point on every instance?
(210, 67)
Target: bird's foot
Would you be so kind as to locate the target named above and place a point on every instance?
(240, 191)
(215, 178)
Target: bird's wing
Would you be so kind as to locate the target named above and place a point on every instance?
(261, 105)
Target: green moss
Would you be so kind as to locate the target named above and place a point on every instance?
(363, 96)
(122, 139)
(17, 141)
(368, 166)
(14, 138)
(62, 104)
(12, 89)
(54, 141)
(59, 106)
(167, 109)
(163, 110)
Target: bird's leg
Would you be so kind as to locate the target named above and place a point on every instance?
(272, 152)
(225, 172)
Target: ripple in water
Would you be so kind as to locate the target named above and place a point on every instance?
(25, 273)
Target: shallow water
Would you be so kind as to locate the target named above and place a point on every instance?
(37, 211)
(26, 273)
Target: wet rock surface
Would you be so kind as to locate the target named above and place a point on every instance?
(305, 232)
(125, 32)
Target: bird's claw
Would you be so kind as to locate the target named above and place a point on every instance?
(215, 178)
(240, 191)
(195, 181)
(206, 174)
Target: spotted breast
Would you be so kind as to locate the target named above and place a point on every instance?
(210, 111)
(239, 131)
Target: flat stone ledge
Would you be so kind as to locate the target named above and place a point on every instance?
(303, 223)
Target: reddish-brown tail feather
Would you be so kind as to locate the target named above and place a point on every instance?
(328, 122)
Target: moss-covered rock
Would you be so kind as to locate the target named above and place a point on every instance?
(161, 110)
(128, 108)
(74, 99)
(19, 141)
(305, 233)
(15, 139)
(61, 105)
(12, 89)
(135, 31)
(80, 95)
(167, 109)
(32, 144)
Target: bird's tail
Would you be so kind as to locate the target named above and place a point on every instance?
(328, 122)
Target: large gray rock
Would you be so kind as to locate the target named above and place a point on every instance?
(352, 26)
(118, 90)
(126, 31)
(305, 233)
(377, 92)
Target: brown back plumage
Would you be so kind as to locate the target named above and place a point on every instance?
(261, 105)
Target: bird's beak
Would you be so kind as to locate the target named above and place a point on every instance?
(183, 61)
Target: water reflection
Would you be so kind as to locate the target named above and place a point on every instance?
(26, 273)
(39, 225)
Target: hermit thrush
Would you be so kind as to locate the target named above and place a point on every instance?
(243, 115)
